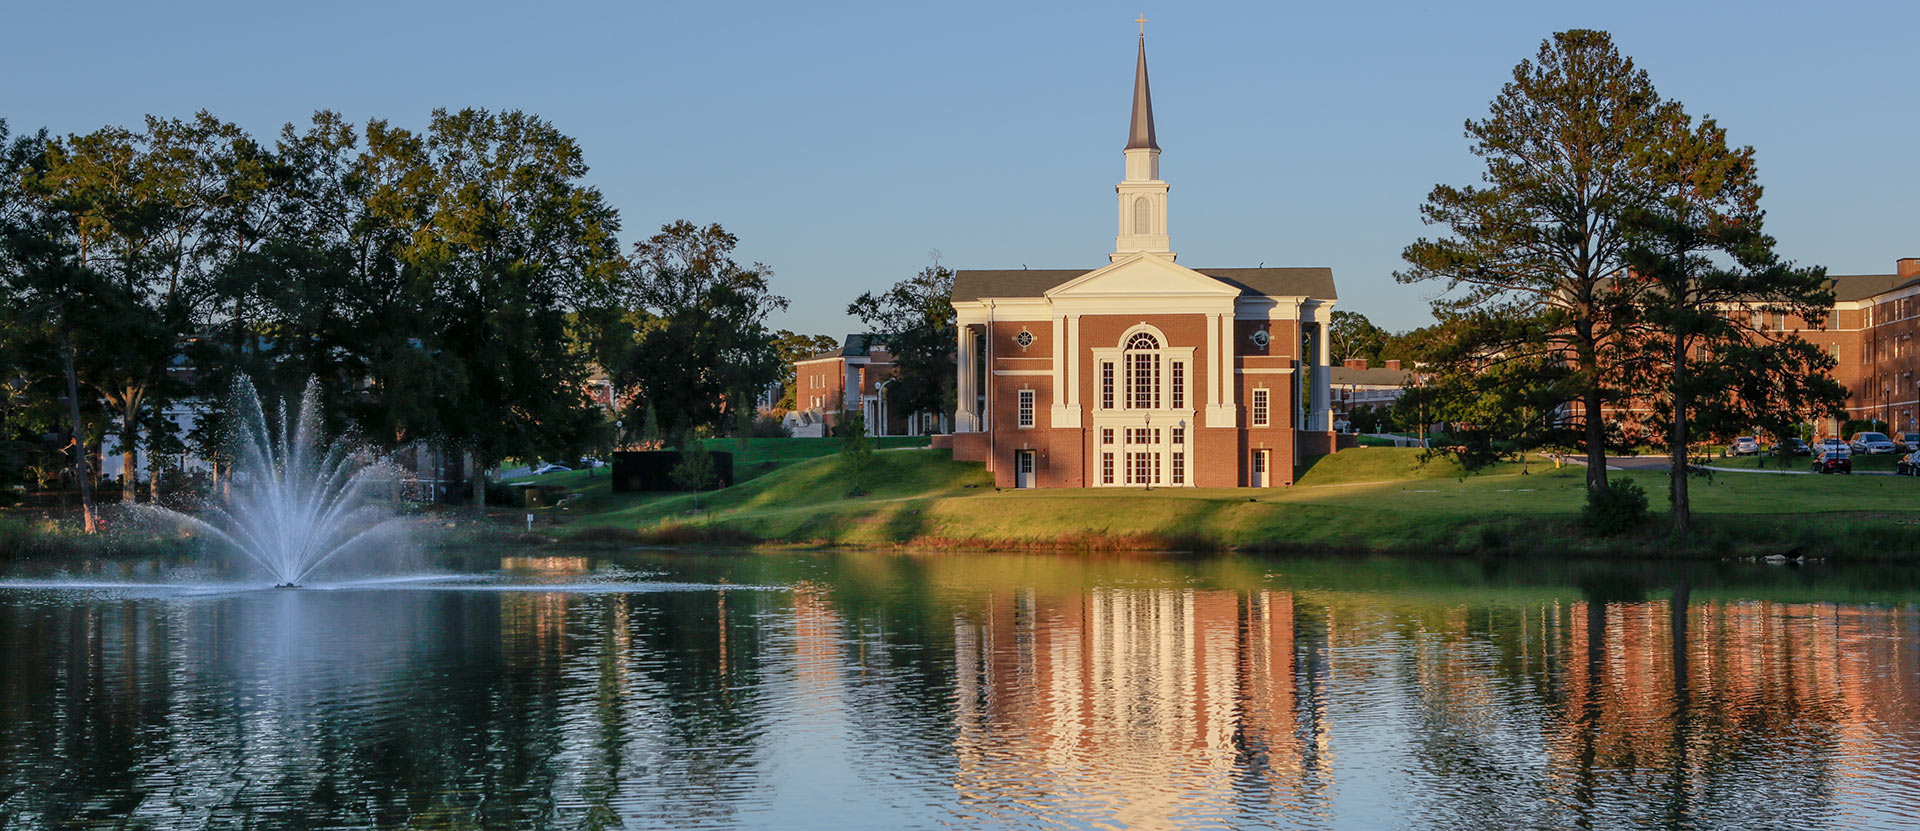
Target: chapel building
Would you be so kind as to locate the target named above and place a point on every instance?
(1142, 372)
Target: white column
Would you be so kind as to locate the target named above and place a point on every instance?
(964, 420)
(1213, 362)
(1322, 407)
(1073, 362)
(1227, 378)
(1063, 412)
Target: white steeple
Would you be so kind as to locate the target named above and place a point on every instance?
(1143, 197)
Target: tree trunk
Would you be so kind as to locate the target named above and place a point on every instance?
(1677, 477)
(1596, 442)
(479, 479)
(129, 452)
(80, 475)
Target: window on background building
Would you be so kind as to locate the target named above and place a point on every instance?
(1780, 321)
(1178, 387)
(1026, 408)
(1758, 321)
(1143, 372)
(1259, 407)
(1106, 385)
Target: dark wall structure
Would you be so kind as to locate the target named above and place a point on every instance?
(652, 470)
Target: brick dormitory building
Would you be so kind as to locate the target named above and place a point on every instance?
(1143, 372)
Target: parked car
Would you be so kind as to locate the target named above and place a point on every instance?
(1906, 442)
(1873, 443)
(1833, 459)
(589, 461)
(550, 468)
(1909, 465)
(1746, 446)
(1792, 447)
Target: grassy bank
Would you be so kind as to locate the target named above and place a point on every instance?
(1375, 499)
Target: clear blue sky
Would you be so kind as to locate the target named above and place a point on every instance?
(843, 141)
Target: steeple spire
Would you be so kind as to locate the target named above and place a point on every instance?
(1140, 136)
(1143, 197)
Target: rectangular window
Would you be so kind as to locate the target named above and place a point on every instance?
(1179, 391)
(1780, 321)
(1260, 407)
(1179, 435)
(1026, 408)
(1179, 467)
(1106, 385)
(1106, 435)
(1106, 468)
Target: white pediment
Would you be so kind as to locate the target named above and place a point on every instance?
(1144, 276)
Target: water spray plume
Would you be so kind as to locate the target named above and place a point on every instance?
(299, 500)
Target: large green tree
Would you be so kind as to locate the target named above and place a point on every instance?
(915, 320)
(699, 348)
(1713, 287)
(1352, 335)
(1532, 255)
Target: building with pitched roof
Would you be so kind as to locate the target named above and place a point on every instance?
(1144, 371)
(830, 387)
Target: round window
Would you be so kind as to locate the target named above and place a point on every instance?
(1025, 339)
(1260, 338)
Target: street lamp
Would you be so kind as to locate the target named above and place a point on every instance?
(1155, 471)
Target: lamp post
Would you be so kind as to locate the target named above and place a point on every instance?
(1155, 471)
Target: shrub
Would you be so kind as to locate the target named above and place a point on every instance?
(1620, 507)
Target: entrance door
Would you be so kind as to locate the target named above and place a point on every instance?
(1259, 478)
(1023, 468)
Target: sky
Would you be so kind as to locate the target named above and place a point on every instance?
(845, 142)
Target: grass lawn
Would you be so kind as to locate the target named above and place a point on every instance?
(1366, 498)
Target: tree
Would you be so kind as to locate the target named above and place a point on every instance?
(700, 346)
(513, 243)
(793, 347)
(1712, 281)
(915, 320)
(696, 471)
(1351, 335)
(856, 452)
(1532, 262)
(1497, 406)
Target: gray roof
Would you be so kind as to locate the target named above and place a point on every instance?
(1848, 287)
(1140, 129)
(1378, 376)
(1258, 282)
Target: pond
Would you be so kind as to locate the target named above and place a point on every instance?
(665, 689)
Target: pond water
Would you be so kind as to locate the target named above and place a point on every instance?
(658, 689)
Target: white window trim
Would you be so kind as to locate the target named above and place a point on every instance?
(1260, 407)
(1024, 409)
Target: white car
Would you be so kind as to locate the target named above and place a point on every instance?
(1871, 443)
(1746, 446)
(550, 468)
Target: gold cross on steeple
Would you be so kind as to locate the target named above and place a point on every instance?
(1142, 20)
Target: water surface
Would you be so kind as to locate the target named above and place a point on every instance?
(653, 689)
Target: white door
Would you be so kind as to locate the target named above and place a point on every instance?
(1023, 468)
(1259, 479)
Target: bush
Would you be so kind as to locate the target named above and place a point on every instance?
(1620, 507)
(1871, 425)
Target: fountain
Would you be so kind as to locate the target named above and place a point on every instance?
(298, 501)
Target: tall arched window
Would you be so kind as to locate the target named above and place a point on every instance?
(1143, 372)
(1142, 216)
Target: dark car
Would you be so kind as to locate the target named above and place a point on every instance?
(1833, 459)
(1906, 442)
(1793, 447)
(1909, 465)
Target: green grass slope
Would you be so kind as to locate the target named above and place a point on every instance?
(1371, 499)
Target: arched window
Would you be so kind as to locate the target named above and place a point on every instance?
(1142, 216)
(1143, 372)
